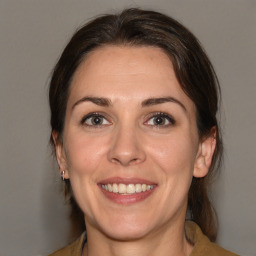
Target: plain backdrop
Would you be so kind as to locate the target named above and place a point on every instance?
(33, 215)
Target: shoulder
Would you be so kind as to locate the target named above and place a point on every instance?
(74, 249)
(202, 245)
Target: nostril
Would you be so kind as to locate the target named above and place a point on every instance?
(115, 160)
(125, 149)
(135, 160)
(127, 161)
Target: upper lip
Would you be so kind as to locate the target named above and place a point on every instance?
(126, 181)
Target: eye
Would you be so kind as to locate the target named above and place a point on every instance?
(160, 119)
(95, 119)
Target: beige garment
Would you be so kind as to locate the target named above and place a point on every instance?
(202, 245)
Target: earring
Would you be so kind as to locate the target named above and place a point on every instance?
(62, 175)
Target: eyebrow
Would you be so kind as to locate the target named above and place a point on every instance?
(103, 102)
(156, 101)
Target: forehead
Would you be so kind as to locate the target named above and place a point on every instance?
(130, 73)
(125, 59)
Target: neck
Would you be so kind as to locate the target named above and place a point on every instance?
(165, 242)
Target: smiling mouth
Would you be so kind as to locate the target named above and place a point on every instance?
(128, 189)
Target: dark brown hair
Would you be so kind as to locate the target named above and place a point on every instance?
(194, 71)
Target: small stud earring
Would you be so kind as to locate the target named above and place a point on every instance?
(62, 175)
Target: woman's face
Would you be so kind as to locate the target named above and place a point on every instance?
(129, 127)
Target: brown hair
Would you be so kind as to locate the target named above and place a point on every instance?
(194, 71)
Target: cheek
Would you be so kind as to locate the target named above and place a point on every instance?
(85, 157)
(174, 154)
(84, 153)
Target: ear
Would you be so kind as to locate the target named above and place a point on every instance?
(60, 154)
(205, 153)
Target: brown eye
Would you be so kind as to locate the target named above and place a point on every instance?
(160, 119)
(95, 120)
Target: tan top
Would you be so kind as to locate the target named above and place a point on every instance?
(202, 245)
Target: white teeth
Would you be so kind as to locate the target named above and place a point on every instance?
(114, 188)
(130, 189)
(148, 187)
(138, 188)
(127, 189)
(109, 188)
(122, 188)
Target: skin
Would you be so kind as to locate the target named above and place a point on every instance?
(129, 144)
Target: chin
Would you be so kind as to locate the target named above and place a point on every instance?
(124, 229)
(125, 233)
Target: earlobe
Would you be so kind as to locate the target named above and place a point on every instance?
(205, 154)
(60, 156)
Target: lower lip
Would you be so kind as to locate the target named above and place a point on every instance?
(127, 199)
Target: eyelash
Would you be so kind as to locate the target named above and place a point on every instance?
(165, 116)
(94, 115)
(162, 115)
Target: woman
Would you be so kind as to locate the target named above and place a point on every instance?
(133, 112)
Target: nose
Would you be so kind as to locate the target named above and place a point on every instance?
(126, 148)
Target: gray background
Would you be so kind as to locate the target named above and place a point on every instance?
(33, 214)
